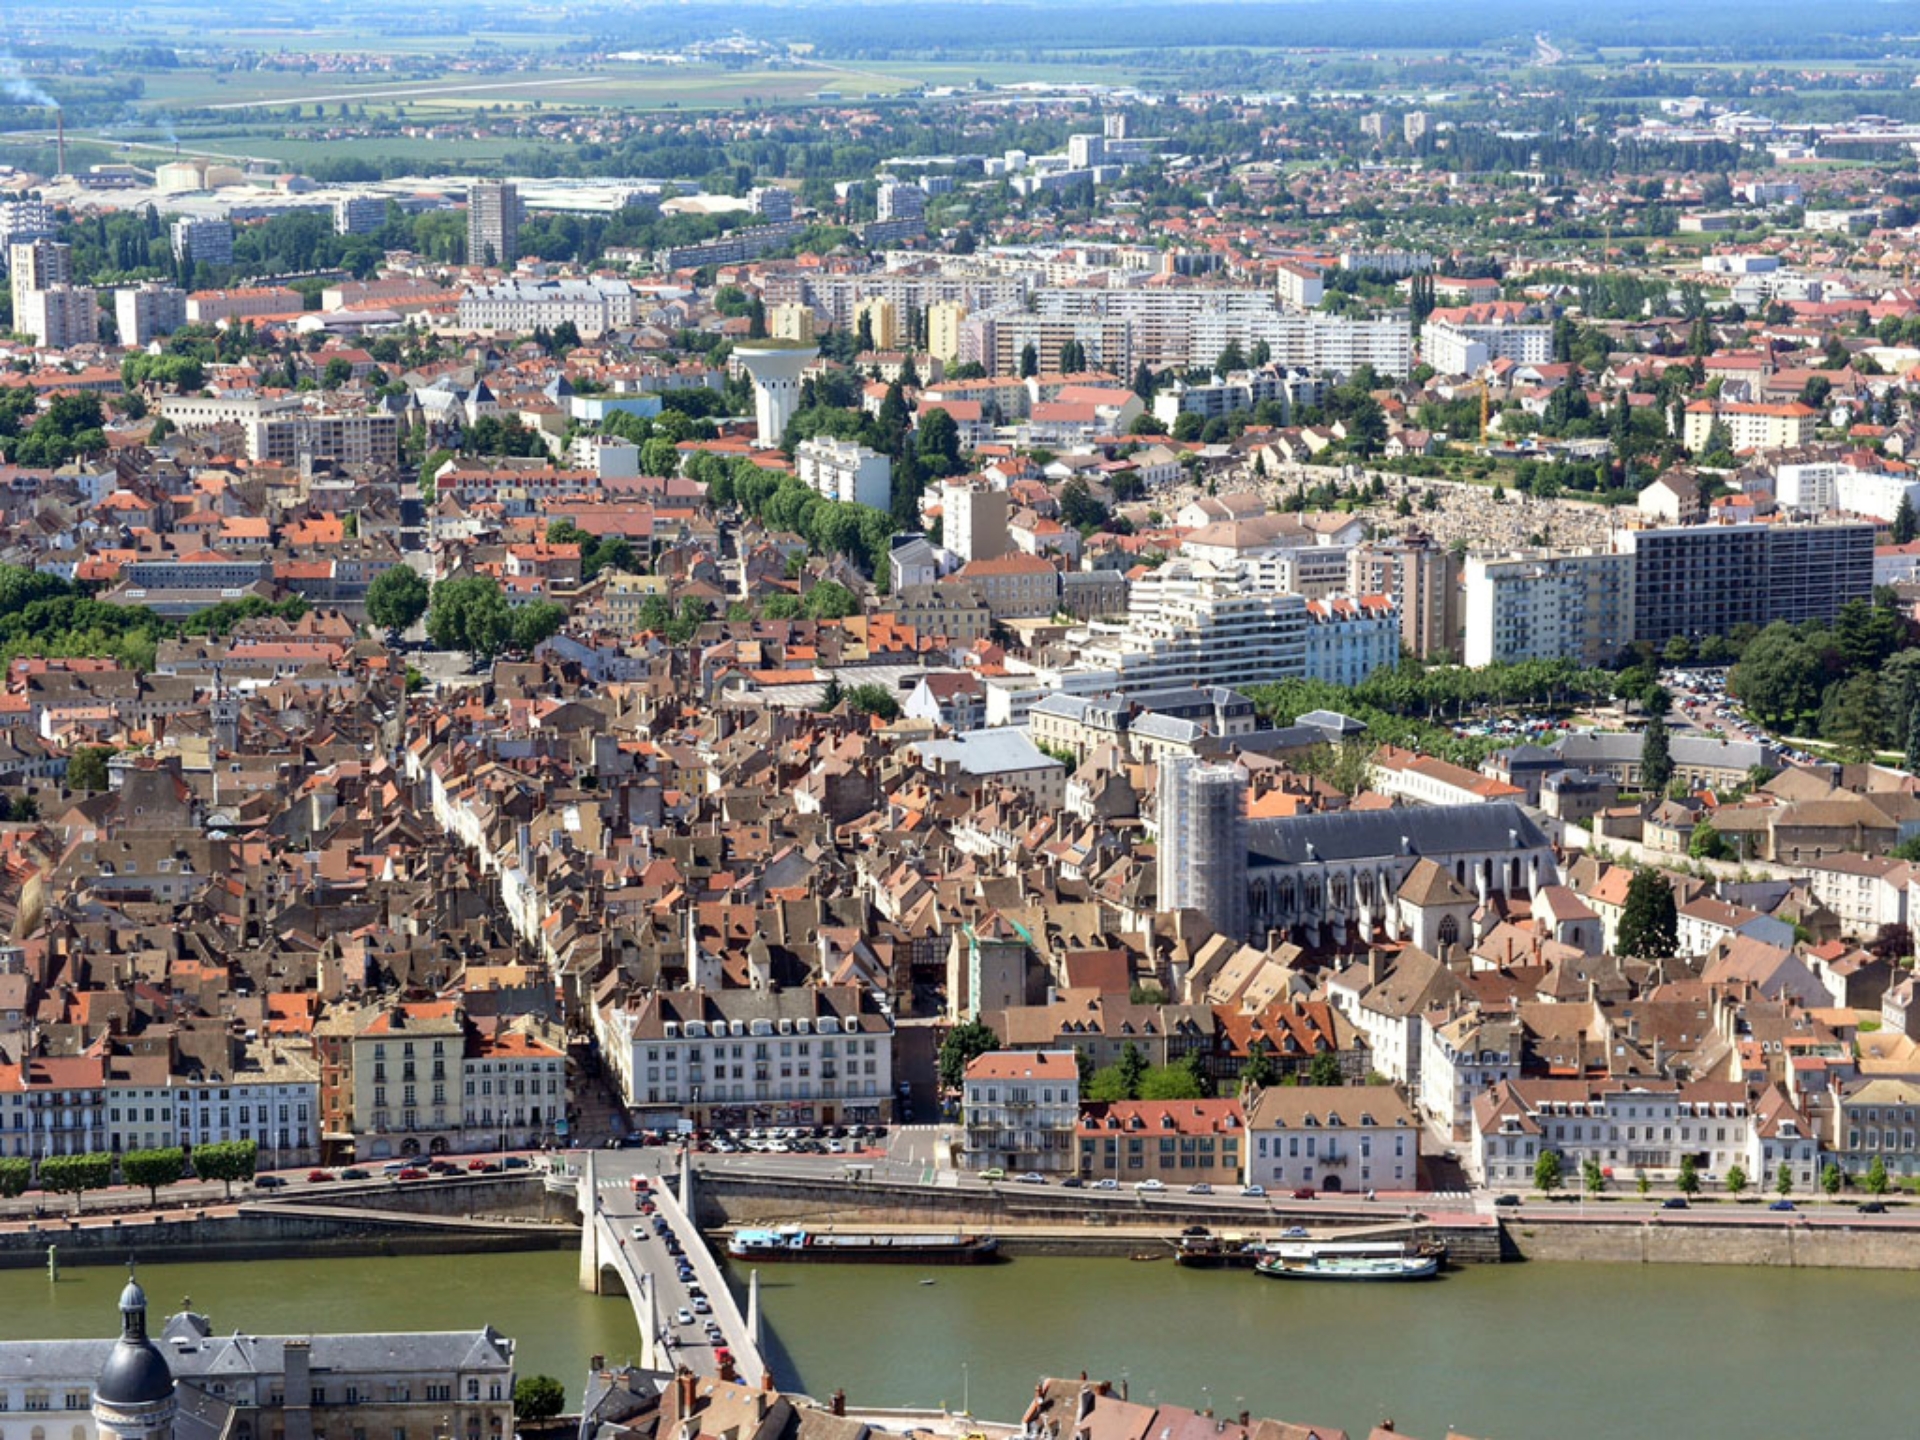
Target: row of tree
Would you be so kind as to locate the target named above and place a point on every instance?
(155, 1169)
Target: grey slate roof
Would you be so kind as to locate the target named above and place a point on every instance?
(1583, 747)
(1374, 834)
(988, 752)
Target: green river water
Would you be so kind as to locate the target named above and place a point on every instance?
(1516, 1352)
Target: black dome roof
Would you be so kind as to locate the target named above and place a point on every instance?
(136, 1374)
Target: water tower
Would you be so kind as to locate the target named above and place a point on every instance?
(776, 367)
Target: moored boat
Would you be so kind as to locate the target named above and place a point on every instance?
(1351, 1267)
(792, 1242)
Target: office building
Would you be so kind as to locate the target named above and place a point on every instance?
(844, 470)
(60, 316)
(1549, 605)
(359, 214)
(1200, 852)
(145, 312)
(202, 242)
(1699, 580)
(493, 223)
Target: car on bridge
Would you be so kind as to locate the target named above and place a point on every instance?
(683, 1316)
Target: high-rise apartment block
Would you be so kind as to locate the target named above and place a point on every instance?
(493, 223)
(203, 242)
(1541, 605)
(1700, 580)
(36, 265)
(60, 315)
(142, 313)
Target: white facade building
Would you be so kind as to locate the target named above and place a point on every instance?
(1021, 1110)
(1547, 605)
(844, 470)
(1332, 1138)
(592, 306)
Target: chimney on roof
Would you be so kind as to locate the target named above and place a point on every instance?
(684, 1386)
(838, 1402)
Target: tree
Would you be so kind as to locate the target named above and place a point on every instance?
(1324, 1069)
(1641, 1182)
(1656, 758)
(469, 613)
(1106, 1085)
(153, 1168)
(1689, 1182)
(1546, 1172)
(397, 597)
(1259, 1071)
(1182, 1080)
(1779, 675)
(87, 767)
(1029, 361)
(226, 1160)
(874, 700)
(1736, 1178)
(1707, 843)
(659, 456)
(1877, 1177)
(538, 1397)
(1649, 920)
(1893, 941)
(76, 1174)
(938, 443)
(963, 1043)
(1831, 1179)
(1592, 1176)
(535, 622)
(1783, 1180)
(1906, 525)
(15, 1175)
(1133, 1068)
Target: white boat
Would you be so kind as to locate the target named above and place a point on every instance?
(1352, 1267)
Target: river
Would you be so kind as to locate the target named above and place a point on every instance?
(1515, 1352)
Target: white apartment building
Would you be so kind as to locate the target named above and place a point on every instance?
(1192, 623)
(1751, 426)
(845, 470)
(1462, 347)
(1317, 343)
(1298, 286)
(1021, 1110)
(761, 1056)
(144, 312)
(1547, 605)
(593, 306)
(1241, 390)
(1461, 1058)
(1631, 1126)
(60, 316)
(1331, 1138)
(1348, 638)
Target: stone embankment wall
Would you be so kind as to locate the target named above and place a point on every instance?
(1703, 1242)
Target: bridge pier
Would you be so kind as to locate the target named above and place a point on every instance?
(589, 1201)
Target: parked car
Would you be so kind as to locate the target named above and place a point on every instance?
(440, 1167)
(1782, 1205)
(1032, 1177)
(1148, 1185)
(1253, 1192)
(701, 1307)
(1506, 1201)
(1201, 1189)
(1294, 1232)
(319, 1177)
(411, 1173)
(1107, 1184)
(354, 1172)
(1072, 1182)
(722, 1355)
(993, 1173)
(269, 1182)
(1675, 1202)
(1306, 1192)
(515, 1162)
(1873, 1207)
(683, 1316)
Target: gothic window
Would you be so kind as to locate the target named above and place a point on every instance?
(1449, 931)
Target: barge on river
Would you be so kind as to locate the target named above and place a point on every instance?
(793, 1242)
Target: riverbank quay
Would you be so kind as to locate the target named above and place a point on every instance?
(1843, 1240)
(457, 1215)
